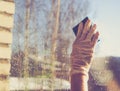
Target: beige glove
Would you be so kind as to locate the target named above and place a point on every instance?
(83, 47)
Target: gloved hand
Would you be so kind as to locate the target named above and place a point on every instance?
(83, 47)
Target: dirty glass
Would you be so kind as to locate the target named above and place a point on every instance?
(43, 37)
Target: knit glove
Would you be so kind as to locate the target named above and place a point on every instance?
(82, 48)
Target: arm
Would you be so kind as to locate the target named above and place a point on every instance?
(81, 56)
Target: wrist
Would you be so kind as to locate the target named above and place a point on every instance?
(79, 82)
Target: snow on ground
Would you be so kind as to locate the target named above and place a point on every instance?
(37, 83)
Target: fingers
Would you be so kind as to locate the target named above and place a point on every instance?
(95, 38)
(80, 28)
(86, 32)
(91, 32)
(86, 29)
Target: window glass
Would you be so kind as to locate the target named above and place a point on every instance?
(43, 37)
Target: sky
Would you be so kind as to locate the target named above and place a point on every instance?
(108, 24)
(107, 18)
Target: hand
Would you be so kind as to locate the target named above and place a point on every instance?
(83, 47)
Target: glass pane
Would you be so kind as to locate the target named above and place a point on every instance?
(42, 43)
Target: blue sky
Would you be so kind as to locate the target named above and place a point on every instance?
(108, 24)
(107, 18)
